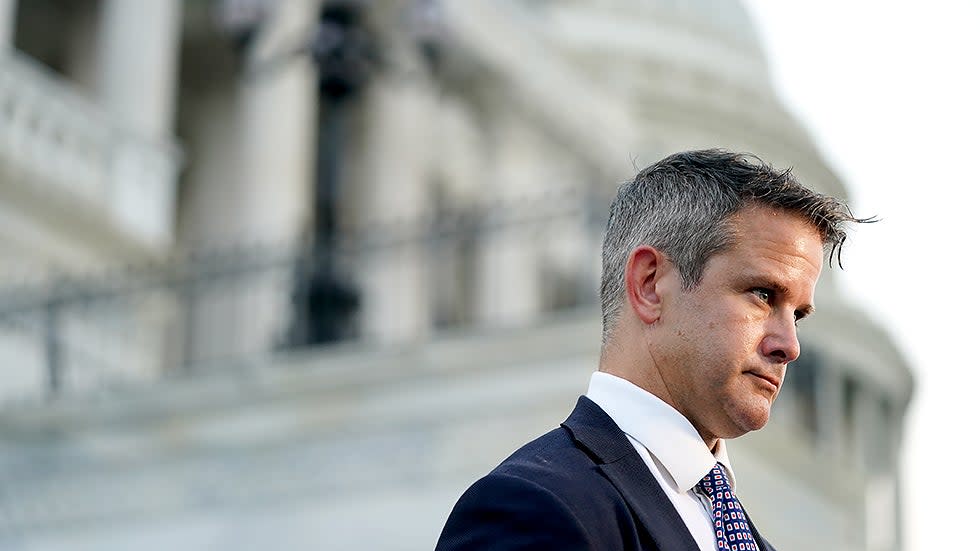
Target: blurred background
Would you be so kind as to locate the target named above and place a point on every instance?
(292, 274)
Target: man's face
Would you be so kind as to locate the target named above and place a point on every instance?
(723, 346)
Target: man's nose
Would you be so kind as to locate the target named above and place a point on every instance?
(781, 344)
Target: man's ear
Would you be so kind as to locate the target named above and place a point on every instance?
(645, 269)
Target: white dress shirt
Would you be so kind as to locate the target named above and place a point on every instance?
(669, 445)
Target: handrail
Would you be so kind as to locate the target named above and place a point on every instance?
(139, 323)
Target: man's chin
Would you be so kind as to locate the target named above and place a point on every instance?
(748, 419)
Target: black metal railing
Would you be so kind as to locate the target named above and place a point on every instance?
(98, 332)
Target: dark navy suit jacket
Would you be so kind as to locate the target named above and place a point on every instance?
(579, 487)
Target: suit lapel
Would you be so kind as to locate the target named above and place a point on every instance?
(617, 459)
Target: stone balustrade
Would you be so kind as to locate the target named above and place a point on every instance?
(54, 142)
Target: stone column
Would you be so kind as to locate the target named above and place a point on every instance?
(278, 125)
(571, 249)
(134, 79)
(881, 500)
(507, 266)
(868, 423)
(255, 194)
(830, 406)
(395, 174)
(137, 61)
(8, 20)
(252, 128)
(597, 215)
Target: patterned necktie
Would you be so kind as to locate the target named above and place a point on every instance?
(732, 532)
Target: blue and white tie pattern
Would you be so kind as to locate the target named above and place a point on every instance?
(732, 532)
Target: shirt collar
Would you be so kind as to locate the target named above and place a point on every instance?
(662, 430)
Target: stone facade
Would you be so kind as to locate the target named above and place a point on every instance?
(458, 158)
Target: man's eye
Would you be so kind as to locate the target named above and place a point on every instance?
(765, 295)
(798, 316)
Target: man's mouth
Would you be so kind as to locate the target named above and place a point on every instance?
(770, 379)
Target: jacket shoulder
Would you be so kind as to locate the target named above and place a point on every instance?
(549, 494)
(553, 461)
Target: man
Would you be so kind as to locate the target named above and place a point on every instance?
(709, 262)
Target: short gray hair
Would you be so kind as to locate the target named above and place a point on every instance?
(683, 205)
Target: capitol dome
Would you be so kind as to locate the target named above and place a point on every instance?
(693, 73)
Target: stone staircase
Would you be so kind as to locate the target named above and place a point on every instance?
(339, 448)
(348, 447)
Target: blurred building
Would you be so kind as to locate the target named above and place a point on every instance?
(293, 274)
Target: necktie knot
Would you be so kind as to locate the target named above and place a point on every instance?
(715, 483)
(732, 530)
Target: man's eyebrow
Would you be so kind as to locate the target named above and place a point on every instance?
(768, 283)
(775, 286)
